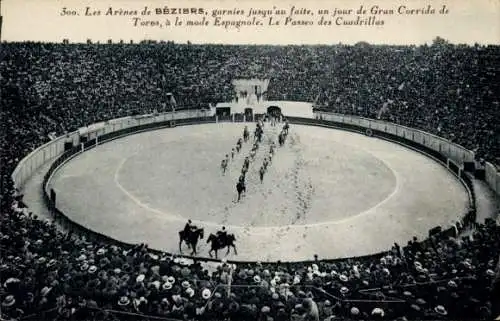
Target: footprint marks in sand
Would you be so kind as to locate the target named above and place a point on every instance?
(299, 197)
(301, 181)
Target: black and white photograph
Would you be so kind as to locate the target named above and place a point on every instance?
(248, 160)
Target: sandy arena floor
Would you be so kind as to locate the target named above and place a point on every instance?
(327, 192)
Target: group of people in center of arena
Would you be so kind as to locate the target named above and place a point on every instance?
(189, 234)
(258, 134)
(259, 131)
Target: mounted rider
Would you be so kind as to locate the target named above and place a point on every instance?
(222, 235)
(246, 133)
(189, 227)
(238, 144)
(258, 133)
(281, 138)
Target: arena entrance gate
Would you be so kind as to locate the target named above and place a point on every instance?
(223, 113)
(248, 114)
(274, 111)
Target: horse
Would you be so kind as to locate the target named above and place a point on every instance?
(238, 145)
(258, 134)
(240, 188)
(191, 238)
(246, 134)
(218, 244)
(281, 138)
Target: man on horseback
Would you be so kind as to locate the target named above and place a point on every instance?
(188, 227)
(222, 235)
(221, 240)
(246, 134)
(258, 133)
(281, 138)
(238, 144)
(190, 236)
(240, 187)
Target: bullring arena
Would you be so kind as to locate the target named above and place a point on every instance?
(103, 166)
(328, 192)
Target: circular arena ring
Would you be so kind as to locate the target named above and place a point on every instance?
(328, 192)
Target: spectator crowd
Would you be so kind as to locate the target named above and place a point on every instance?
(50, 274)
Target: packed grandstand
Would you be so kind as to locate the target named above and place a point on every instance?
(51, 274)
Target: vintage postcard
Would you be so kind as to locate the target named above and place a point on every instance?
(250, 160)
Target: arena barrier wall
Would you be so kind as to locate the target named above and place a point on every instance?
(492, 177)
(66, 147)
(90, 136)
(102, 135)
(437, 146)
(49, 151)
(416, 140)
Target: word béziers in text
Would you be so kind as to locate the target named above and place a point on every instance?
(127, 12)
